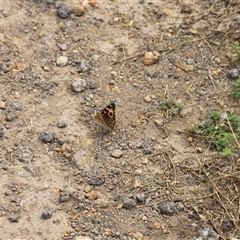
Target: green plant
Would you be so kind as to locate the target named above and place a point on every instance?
(170, 107)
(234, 48)
(221, 129)
(236, 89)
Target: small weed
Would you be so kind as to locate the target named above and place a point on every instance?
(170, 107)
(234, 48)
(236, 89)
(221, 134)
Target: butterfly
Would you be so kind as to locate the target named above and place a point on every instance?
(106, 118)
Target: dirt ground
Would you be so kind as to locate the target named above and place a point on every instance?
(62, 175)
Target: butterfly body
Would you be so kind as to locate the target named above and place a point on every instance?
(106, 118)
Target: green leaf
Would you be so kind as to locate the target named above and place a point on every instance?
(226, 151)
(234, 58)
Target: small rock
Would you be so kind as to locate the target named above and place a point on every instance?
(92, 195)
(78, 10)
(63, 140)
(186, 8)
(5, 13)
(62, 61)
(186, 111)
(2, 105)
(114, 74)
(217, 60)
(138, 236)
(180, 206)
(140, 198)
(158, 122)
(63, 11)
(83, 238)
(46, 136)
(16, 106)
(167, 208)
(46, 214)
(64, 196)
(14, 218)
(95, 181)
(129, 204)
(93, 85)
(147, 149)
(1, 132)
(62, 123)
(233, 73)
(85, 66)
(190, 139)
(5, 168)
(157, 225)
(149, 58)
(112, 82)
(117, 153)
(79, 85)
(147, 99)
(63, 46)
(207, 233)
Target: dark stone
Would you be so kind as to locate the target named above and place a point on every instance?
(167, 208)
(64, 196)
(14, 218)
(46, 214)
(46, 136)
(95, 181)
(63, 11)
(129, 204)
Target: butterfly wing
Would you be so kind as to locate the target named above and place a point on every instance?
(107, 117)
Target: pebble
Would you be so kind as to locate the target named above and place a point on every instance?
(112, 82)
(117, 153)
(62, 123)
(46, 214)
(92, 195)
(85, 66)
(1, 132)
(5, 13)
(139, 198)
(207, 233)
(129, 204)
(62, 61)
(93, 84)
(16, 106)
(79, 85)
(147, 149)
(233, 73)
(150, 58)
(158, 122)
(95, 181)
(167, 208)
(64, 196)
(138, 236)
(63, 46)
(46, 136)
(217, 60)
(190, 139)
(83, 238)
(147, 99)
(63, 11)
(2, 105)
(14, 218)
(186, 111)
(63, 140)
(186, 8)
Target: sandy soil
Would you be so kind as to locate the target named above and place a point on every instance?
(62, 175)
